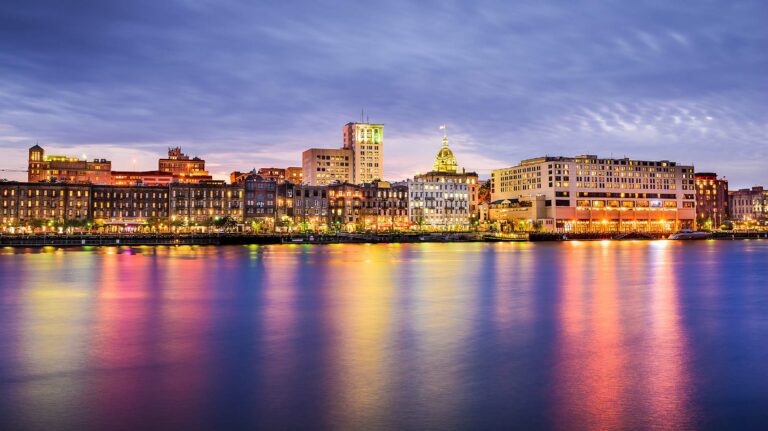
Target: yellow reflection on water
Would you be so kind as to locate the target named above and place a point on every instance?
(360, 320)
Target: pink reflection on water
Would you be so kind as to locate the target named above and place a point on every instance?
(278, 286)
(604, 380)
(143, 328)
(592, 364)
(667, 380)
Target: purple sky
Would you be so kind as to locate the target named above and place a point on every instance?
(245, 84)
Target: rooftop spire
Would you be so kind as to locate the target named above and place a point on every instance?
(445, 135)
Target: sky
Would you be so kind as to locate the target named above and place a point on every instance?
(252, 84)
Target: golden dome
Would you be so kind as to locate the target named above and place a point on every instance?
(445, 161)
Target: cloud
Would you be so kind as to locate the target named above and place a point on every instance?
(250, 84)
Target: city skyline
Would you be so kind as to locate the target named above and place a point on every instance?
(249, 86)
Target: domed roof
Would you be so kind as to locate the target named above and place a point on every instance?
(445, 160)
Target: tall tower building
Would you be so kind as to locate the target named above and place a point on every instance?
(366, 141)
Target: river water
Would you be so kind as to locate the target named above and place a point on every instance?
(577, 335)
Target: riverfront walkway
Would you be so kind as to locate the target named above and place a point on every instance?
(134, 239)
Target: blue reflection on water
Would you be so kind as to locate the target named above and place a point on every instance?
(608, 335)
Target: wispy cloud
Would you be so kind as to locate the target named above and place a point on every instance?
(249, 84)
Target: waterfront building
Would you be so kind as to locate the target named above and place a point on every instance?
(366, 142)
(284, 204)
(711, 200)
(145, 178)
(259, 210)
(518, 214)
(42, 204)
(385, 206)
(438, 205)
(185, 169)
(129, 206)
(749, 205)
(443, 198)
(310, 207)
(200, 203)
(591, 194)
(468, 178)
(66, 169)
(446, 168)
(345, 203)
(322, 166)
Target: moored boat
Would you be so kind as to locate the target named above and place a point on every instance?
(690, 234)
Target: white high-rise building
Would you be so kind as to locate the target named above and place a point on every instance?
(366, 141)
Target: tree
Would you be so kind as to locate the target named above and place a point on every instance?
(257, 225)
(177, 223)
(229, 223)
(420, 222)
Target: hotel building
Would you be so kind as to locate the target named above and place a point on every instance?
(366, 142)
(711, 200)
(588, 194)
(66, 169)
(749, 205)
(184, 169)
(323, 166)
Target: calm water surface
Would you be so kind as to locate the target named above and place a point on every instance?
(580, 335)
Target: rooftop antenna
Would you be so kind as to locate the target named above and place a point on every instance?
(362, 113)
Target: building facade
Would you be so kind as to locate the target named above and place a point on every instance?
(323, 166)
(311, 207)
(345, 207)
(260, 201)
(469, 178)
(294, 174)
(146, 178)
(438, 205)
(196, 204)
(711, 200)
(184, 169)
(591, 194)
(443, 198)
(43, 203)
(385, 206)
(366, 142)
(749, 205)
(66, 169)
(126, 205)
(277, 174)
